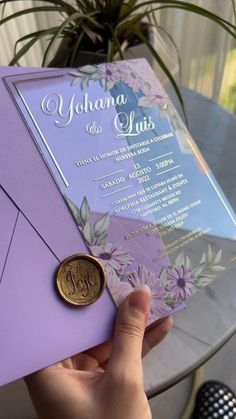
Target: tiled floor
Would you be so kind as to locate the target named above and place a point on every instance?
(15, 404)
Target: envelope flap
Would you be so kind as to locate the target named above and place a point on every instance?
(8, 219)
(26, 178)
(34, 321)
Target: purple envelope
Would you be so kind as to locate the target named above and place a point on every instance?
(91, 163)
(37, 233)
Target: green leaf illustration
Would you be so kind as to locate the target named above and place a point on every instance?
(204, 280)
(187, 263)
(164, 111)
(218, 256)
(209, 255)
(170, 300)
(217, 268)
(85, 211)
(75, 211)
(76, 81)
(101, 241)
(146, 102)
(84, 83)
(102, 225)
(163, 277)
(180, 260)
(90, 82)
(203, 259)
(197, 270)
(88, 69)
(88, 233)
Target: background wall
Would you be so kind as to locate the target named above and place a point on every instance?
(203, 46)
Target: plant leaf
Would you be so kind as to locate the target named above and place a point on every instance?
(217, 257)
(88, 233)
(209, 255)
(176, 4)
(175, 47)
(187, 263)
(37, 35)
(75, 211)
(64, 5)
(163, 277)
(31, 10)
(84, 83)
(85, 211)
(75, 49)
(127, 5)
(90, 82)
(3, 10)
(180, 260)
(117, 43)
(102, 225)
(217, 268)
(26, 47)
(164, 113)
(161, 63)
(145, 101)
(234, 9)
(204, 280)
(170, 300)
(197, 271)
(94, 36)
(70, 19)
(203, 258)
(101, 241)
(87, 69)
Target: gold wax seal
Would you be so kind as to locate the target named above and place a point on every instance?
(81, 279)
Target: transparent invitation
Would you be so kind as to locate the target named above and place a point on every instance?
(142, 196)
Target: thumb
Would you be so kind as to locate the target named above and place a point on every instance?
(130, 325)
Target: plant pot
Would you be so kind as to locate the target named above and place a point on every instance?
(83, 57)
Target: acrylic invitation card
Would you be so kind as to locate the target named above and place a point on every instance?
(144, 200)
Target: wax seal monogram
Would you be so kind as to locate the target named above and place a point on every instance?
(80, 279)
(93, 128)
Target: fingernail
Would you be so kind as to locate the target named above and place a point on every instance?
(140, 298)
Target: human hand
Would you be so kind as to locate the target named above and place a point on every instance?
(105, 382)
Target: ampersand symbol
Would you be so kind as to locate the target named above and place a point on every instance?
(93, 128)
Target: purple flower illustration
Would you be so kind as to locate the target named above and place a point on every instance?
(143, 276)
(180, 283)
(108, 74)
(112, 257)
(118, 289)
(153, 94)
(131, 77)
(150, 99)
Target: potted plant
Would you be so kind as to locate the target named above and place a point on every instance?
(94, 31)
